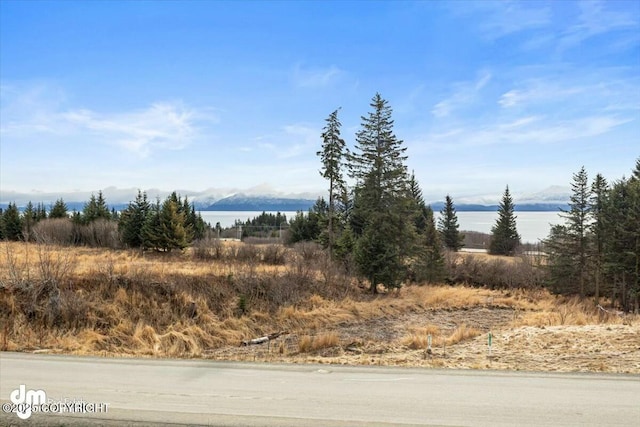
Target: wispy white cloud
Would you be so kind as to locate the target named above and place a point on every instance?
(585, 90)
(162, 125)
(290, 141)
(464, 93)
(526, 130)
(537, 91)
(498, 19)
(596, 18)
(309, 77)
(504, 18)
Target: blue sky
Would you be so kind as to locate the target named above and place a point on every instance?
(196, 95)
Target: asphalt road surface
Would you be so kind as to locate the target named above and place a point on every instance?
(141, 392)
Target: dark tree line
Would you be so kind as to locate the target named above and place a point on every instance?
(172, 224)
(596, 252)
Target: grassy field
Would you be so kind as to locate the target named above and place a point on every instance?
(204, 304)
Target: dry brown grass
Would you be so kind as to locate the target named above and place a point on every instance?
(308, 344)
(462, 333)
(175, 305)
(572, 311)
(418, 338)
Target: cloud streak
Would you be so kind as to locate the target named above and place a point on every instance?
(315, 77)
(464, 94)
(595, 19)
(161, 126)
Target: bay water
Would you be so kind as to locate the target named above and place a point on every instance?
(532, 226)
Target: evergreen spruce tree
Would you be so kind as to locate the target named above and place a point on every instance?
(622, 243)
(597, 204)
(384, 239)
(59, 210)
(152, 228)
(420, 216)
(41, 212)
(95, 208)
(307, 228)
(195, 224)
(560, 262)
(29, 219)
(504, 235)
(189, 217)
(578, 223)
(174, 235)
(132, 220)
(429, 259)
(448, 226)
(332, 156)
(12, 223)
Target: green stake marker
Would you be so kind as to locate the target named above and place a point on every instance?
(490, 337)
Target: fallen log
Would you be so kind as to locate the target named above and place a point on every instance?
(262, 340)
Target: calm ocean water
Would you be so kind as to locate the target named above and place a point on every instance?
(532, 226)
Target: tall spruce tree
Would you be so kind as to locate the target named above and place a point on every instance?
(132, 220)
(332, 156)
(384, 239)
(448, 226)
(174, 235)
(12, 223)
(428, 262)
(560, 263)
(95, 208)
(578, 222)
(597, 204)
(420, 207)
(29, 219)
(504, 234)
(152, 228)
(59, 210)
(622, 243)
(41, 212)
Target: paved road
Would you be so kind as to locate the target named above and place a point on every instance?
(195, 392)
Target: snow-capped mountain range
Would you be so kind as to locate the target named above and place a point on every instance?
(265, 198)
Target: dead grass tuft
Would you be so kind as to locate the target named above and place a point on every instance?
(308, 344)
(462, 333)
(418, 337)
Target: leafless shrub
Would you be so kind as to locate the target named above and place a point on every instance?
(274, 255)
(74, 309)
(309, 251)
(100, 233)
(15, 270)
(463, 269)
(494, 273)
(247, 253)
(208, 248)
(54, 265)
(304, 262)
(58, 231)
(333, 276)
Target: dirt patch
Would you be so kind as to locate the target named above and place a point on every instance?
(378, 341)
